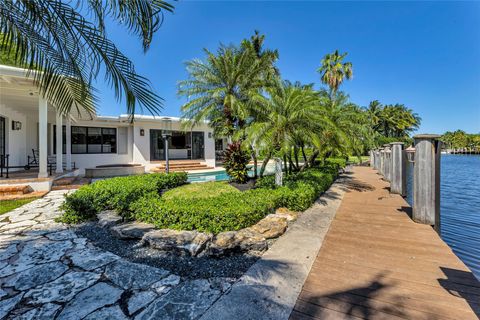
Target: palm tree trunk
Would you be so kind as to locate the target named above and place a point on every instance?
(285, 168)
(304, 156)
(295, 154)
(264, 164)
(255, 161)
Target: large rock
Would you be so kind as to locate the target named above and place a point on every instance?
(129, 275)
(285, 213)
(132, 230)
(108, 219)
(139, 300)
(233, 241)
(191, 242)
(89, 300)
(271, 227)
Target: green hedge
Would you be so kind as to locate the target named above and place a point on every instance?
(231, 210)
(117, 194)
(227, 211)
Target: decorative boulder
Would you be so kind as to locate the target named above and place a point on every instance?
(285, 213)
(271, 227)
(132, 230)
(108, 219)
(231, 241)
(190, 242)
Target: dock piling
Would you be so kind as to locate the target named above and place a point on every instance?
(426, 184)
(398, 181)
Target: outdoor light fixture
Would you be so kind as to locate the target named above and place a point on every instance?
(16, 125)
(209, 135)
(166, 134)
(142, 132)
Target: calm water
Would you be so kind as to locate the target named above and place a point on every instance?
(460, 207)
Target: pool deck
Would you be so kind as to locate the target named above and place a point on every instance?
(376, 263)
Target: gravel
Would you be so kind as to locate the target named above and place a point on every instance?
(233, 266)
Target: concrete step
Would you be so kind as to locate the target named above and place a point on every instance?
(180, 169)
(70, 183)
(33, 194)
(14, 190)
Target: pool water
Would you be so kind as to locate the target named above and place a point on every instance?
(221, 175)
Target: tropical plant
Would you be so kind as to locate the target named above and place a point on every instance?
(235, 163)
(286, 118)
(334, 71)
(221, 88)
(63, 45)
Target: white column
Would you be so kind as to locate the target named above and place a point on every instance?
(42, 138)
(68, 141)
(59, 146)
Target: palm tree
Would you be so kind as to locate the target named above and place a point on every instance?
(334, 71)
(65, 51)
(286, 112)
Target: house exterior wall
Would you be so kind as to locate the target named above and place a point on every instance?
(15, 140)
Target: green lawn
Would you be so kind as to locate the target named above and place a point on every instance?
(199, 190)
(354, 159)
(9, 205)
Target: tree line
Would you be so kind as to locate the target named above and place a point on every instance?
(459, 140)
(239, 90)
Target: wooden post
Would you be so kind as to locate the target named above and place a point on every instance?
(371, 158)
(377, 159)
(388, 162)
(278, 172)
(382, 161)
(398, 182)
(426, 180)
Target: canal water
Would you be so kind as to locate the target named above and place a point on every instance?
(459, 206)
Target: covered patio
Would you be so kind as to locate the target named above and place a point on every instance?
(28, 148)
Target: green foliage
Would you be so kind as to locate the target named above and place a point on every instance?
(68, 42)
(226, 211)
(334, 71)
(199, 190)
(231, 210)
(460, 140)
(235, 162)
(116, 194)
(9, 205)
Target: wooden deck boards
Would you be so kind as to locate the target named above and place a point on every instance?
(376, 263)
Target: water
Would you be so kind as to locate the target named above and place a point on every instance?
(221, 175)
(459, 206)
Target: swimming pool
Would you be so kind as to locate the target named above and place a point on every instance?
(221, 175)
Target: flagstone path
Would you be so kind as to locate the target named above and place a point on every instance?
(48, 272)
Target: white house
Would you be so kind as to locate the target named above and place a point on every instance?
(28, 129)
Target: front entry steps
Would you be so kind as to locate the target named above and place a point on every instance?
(19, 192)
(70, 183)
(178, 166)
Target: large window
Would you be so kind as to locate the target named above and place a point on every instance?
(91, 140)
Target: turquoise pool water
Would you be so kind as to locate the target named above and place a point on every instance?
(220, 175)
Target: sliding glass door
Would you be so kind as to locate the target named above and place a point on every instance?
(181, 145)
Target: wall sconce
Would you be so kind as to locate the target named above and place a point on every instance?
(209, 135)
(142, 132)
(16, 125)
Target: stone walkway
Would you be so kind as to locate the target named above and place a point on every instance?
(48, 272)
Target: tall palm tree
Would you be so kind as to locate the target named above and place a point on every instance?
(286, 112)
(64, 46)
(334, 71)
(224, 86)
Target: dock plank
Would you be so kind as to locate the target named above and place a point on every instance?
(376, 263)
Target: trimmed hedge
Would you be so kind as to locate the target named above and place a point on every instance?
(231, 210)
(227, 211)
(116, 194)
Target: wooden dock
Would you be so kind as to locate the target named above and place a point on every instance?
(376, 263)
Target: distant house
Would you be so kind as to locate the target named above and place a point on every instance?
(29, 128)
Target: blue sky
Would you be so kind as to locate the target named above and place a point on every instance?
(425, 55)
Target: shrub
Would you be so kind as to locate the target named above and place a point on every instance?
(227, 211)
(117, 194)
(235, 162)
